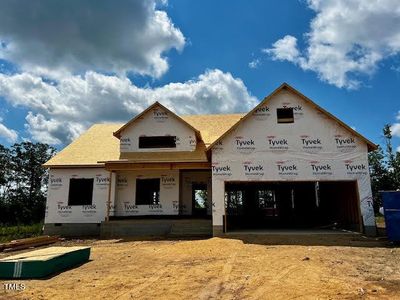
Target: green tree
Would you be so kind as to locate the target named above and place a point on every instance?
(5, 171)
(393, 158)
(5, 181)
(384, 168)
(380, 176)
(24, 184)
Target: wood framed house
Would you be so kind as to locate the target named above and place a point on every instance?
(287, 163)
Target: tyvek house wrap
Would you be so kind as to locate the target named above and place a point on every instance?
(125, 200)
(57, 208)
(157, 122)
(314, 147)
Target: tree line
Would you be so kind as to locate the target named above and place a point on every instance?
(23, 182)
(384, 167)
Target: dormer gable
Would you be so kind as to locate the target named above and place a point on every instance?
(157, 129)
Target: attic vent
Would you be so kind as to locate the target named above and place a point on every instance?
(146, 142)
(285, 115)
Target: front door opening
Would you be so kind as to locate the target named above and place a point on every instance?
(199, 199)
(251, 205)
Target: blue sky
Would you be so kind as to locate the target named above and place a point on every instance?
(195, 57)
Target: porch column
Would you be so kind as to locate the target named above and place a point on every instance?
(218, 206)
(111, 193)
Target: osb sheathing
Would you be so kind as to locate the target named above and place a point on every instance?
(98, 144)
(212, 126)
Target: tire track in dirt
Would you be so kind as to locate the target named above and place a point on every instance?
(135, 293)
(259, 293)
(215, 288)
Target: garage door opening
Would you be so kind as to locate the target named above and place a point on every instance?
(255, 205)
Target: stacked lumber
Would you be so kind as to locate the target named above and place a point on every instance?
(28, 243)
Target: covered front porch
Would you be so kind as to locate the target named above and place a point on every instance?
(163, 198)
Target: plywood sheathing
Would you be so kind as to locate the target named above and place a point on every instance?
(212, 126)
(98, 144)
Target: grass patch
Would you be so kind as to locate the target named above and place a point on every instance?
(380, 220)
(9, 233)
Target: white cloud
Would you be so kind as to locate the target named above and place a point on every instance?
(395, 68)
(284, 49)
(62, 50)
(395, 129)
(54, 38)
(9, 135)
(254, 63)
(348, 38)
(60, 112)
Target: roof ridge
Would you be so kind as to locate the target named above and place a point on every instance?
(228, 114)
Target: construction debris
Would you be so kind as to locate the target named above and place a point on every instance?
(28, 243)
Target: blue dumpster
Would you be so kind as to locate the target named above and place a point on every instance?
(391, 208)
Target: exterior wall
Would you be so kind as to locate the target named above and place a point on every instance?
(314, 147)
(157, 122)
(57, 208)
(125, 204)
(187, 179)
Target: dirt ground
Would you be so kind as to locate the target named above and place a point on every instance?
(255, 267)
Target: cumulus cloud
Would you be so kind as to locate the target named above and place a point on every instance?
(347, 38)
(59, 112)
(72, 59)
(8, 134)
(284, 49)
(58, 37)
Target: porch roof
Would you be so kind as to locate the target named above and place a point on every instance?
(128, 165)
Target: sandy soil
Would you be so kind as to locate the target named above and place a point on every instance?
(266, 267)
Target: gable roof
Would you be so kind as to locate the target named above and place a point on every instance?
(285, 86)
(154, 105)
(98, 144)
